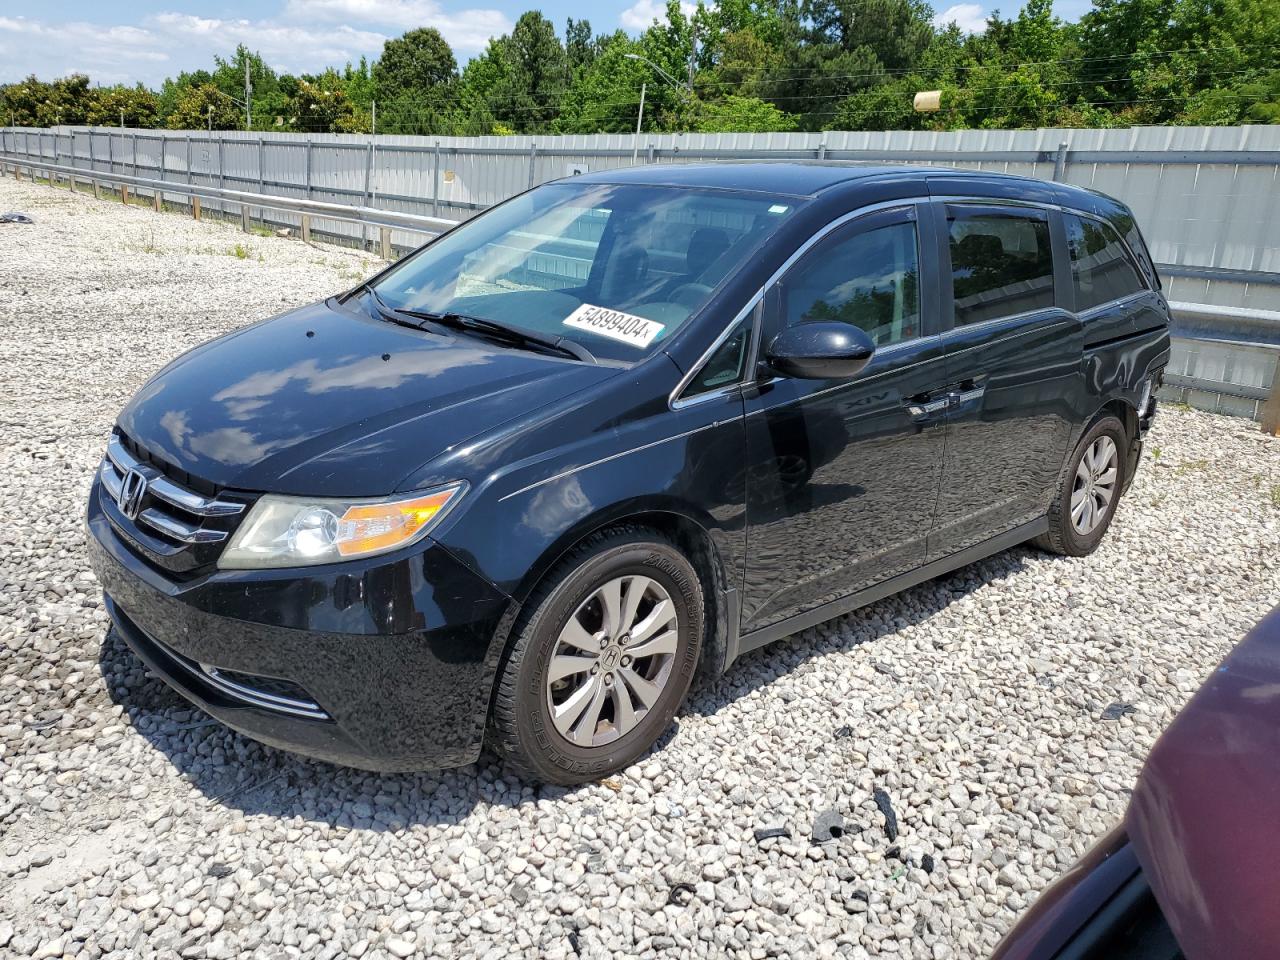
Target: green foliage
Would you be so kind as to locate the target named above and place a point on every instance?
(418, 62)
(204, 107)
(734, 114)
(738, 66)
(321, 104)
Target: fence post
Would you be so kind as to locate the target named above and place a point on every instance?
(822, 151)
(368, 184)
(157, 197)
(262, 174)
(533, 161)
(1060, 163)
(435, 183)
(195, 207)
(384, 242)
(309, 145)
(1271, 406)
(306, 228)
(244, 217)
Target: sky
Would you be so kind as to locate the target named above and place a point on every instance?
(148, 40)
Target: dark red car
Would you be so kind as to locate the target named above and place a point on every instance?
(1194, 869)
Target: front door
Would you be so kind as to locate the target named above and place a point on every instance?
(842, 476)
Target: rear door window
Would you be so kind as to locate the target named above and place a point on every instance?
(1102, 268)
(1001, 263)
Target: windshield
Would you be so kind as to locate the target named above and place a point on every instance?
(615, 268)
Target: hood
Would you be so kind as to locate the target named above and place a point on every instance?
(1203, 814)
(328, 401)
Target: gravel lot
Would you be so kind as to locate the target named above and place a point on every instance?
(132, 825)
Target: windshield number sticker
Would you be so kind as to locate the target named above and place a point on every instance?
(614, 324)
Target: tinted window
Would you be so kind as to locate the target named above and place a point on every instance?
(725, 365)
(1101, 269)
(1001, 265)
(869, 279)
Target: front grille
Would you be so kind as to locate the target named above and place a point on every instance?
(173, 525)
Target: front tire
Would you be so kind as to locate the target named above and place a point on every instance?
(1088, 491)
(601, 660)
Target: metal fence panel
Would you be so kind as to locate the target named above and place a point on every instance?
(1207, 198)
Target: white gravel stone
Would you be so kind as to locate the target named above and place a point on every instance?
(131, 825)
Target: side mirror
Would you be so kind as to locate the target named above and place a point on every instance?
(820, 350)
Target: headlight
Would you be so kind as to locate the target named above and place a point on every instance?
(301, 531)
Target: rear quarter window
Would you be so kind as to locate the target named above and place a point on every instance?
(1102, 267)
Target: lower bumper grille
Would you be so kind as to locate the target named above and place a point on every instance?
(268, 693)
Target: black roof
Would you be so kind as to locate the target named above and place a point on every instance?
(792, 177)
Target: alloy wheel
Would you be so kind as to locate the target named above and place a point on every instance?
(612, 660)
(1095, 484)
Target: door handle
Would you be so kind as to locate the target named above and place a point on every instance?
(920, 407)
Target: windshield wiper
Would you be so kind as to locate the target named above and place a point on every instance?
(491, 328)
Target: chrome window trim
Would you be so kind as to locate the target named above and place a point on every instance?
(675, 401)
(955, 330)
(1118, 301)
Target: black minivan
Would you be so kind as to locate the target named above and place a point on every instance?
(523, 485)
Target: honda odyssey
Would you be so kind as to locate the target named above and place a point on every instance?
(526, 483)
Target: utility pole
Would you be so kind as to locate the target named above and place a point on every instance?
(693, 54)
(248, 96)
(635, 147)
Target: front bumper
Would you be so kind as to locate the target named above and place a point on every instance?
(396, 655)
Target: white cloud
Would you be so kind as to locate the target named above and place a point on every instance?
(969, 17)
(641, 14)
(467, 31)
(307, 36)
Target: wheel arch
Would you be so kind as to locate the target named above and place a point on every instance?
(690, 533)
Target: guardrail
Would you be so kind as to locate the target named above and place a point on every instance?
(384, 220)
(1225, 359)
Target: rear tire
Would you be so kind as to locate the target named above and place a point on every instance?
(579, 697)
(1088, 491)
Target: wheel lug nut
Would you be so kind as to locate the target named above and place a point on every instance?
(604, 642)
(595, 668)
(626, 661)
(608, 679)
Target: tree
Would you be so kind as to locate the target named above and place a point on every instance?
(136, 106)
(837, 47)
(321, 105)
(205, 106)
(734, 114)
(415, 83)
(414, 64)
(532, 81)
